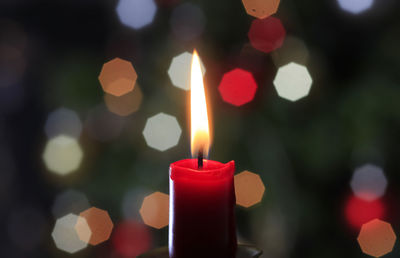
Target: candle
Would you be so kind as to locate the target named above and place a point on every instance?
(202, 195)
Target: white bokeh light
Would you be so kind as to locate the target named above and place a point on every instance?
(355, 6)
(369, 182)
(63, 121)
(179, 70)
(62, 155)
(65, 236)
(162, 132)
(293, 81)
(136, 13)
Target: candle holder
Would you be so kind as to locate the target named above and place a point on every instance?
(243, 251)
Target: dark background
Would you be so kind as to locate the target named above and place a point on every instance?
(304, 151)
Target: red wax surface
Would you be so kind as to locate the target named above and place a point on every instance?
(202, 202)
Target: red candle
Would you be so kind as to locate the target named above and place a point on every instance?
(202, 222)
(202, 194)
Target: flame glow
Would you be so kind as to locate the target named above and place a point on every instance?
(200, 132)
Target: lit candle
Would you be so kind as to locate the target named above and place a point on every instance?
(202, 195)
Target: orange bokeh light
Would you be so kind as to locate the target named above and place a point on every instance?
(376, 238)
(155, 210)
(126, 104)
(260, 8)
(117, 77)
(249, 189)
(99, 223)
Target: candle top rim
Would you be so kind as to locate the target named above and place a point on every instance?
(211, 169)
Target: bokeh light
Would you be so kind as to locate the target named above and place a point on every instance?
(155, 210)
(83, 229)
(100, 225)
(359, 211)
(249, 189)
(13, 41)
(267, 34)
(69, 201)
(118, 77)
(26, 227)
(162, 132)
(125, 104)
(136, 14)
(293, 50)
(376, 238)
(12, 65)
(179, 70)
(131, 239)
(237, 87)
(355, 6)
(187, 22)
(63, 121)
(65, 236)
(293, 81)
(102, 125)
(369, 182)
(260, 8)
(132, 201)
(62, 155)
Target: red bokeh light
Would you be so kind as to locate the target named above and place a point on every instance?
(267, 34)
(359, 212)
(237, 87)
(131, 239)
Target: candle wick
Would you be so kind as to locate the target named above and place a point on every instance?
(200, 160)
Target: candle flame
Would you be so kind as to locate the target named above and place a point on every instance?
(200, 132)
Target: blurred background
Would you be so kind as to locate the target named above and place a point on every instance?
(93, 109)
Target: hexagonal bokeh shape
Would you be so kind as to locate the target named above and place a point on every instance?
(126, 104)
(369, 182)
(63, 121)
(267, 34)
(118, 77)
(100, 225)
(293, 81)
(62, 155)
(355, 6)
(69, 201)
(376, 238)
(249, 189)
(293, 50)
(136, 14)
(65, 236)
(187, 21)
(162, 132)
(359, 212)
(179, 70)
(131, 238)
(155, 210)
(260, 8)
(237, 87)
